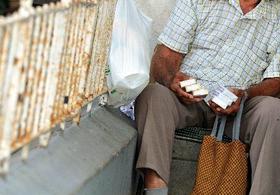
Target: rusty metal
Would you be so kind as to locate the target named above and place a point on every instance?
(43, 121)
(56, 52)
(67, 69)
(101, 46)
(52, 63)
(36, 66)
(22, 55)
(5, 49)
(79, 21)
(26, 40)
(78, 98)
(91, 19)
(26, 81)
(10, 92)
(62, 36)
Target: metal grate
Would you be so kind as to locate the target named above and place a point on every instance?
(195, 134)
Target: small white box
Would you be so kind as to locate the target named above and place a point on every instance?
(225, 99)
(187, 82)
(231, 95)
(200, 92)
(219, 102)
(193, 87)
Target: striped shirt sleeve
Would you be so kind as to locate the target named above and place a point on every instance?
(273, 70)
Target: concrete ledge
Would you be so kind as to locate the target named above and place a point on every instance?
(95, 157)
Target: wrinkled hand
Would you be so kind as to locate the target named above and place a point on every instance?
(230, 110)
(185, 97)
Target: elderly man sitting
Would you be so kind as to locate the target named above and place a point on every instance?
(234, 43)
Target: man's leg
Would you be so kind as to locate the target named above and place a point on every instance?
(261, 120)
(158, 114)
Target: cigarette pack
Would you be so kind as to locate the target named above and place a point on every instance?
(191, 86)
(194, 87)
(187, 82)
(223, 97)
(200, 92)
(220, 102)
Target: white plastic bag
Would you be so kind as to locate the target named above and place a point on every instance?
(130, 54)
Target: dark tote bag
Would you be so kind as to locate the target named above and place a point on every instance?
(222, 167)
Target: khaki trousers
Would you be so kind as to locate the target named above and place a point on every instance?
(159, 112)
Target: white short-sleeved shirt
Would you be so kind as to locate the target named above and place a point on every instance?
(222, 45)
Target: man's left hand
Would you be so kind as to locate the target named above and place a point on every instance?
(230, 110)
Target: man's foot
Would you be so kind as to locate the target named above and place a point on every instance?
(153, 180)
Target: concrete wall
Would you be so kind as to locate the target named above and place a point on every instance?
(159, 11)
(94, 158)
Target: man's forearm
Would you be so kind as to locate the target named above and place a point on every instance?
(268, 87)
(165, 64)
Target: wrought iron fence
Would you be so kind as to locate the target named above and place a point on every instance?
(52, 63)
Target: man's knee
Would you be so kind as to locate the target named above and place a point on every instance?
(265, 115)
(154, 92)
(268, 107)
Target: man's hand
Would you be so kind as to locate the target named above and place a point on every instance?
(231, 109)
(185, 97)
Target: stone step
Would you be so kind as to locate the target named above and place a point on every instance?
(182, 177)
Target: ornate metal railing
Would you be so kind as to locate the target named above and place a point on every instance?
(52, 63)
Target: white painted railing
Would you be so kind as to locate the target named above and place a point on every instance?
(52, 62)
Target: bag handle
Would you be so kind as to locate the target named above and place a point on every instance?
(220, 122)
(219, 127)
(237, 120)
(222, 128)
(215, 127)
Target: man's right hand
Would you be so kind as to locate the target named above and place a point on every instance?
(165, 68)
(185, 97)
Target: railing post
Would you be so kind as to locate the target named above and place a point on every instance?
(26, 4)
